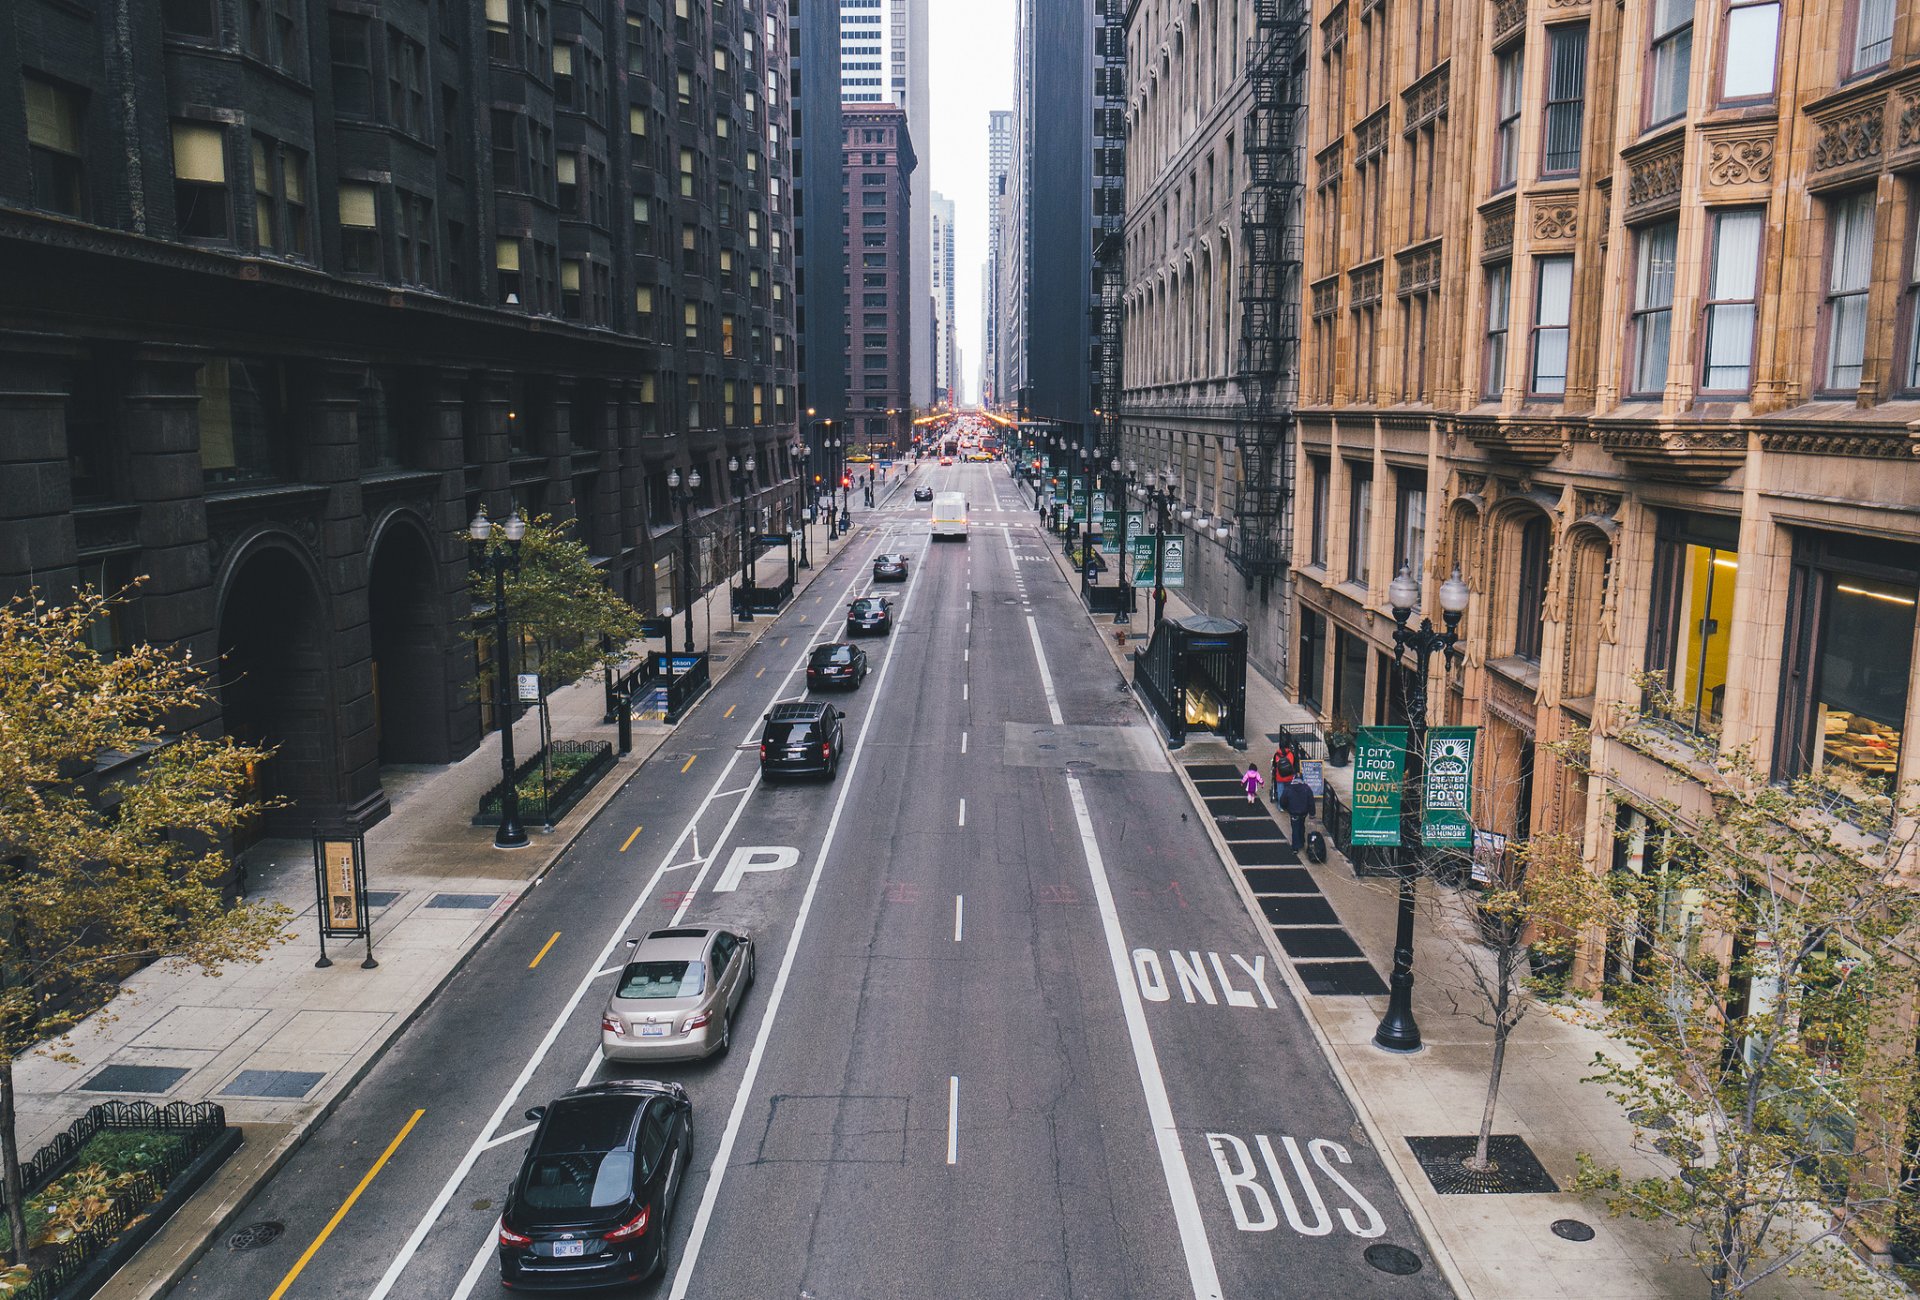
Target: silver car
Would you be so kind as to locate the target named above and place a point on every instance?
(677, 995)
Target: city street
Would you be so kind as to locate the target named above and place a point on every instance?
(959, 1071)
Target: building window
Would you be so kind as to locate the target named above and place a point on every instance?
(1506, 133)
(55, 149)
(1672, 52)
(189, 18)
(352, 54)
(1359, 523)
(242, 421)
(1872, 34)
(570, 288)
(499, 33)
(1552, 312)
(1313, 657)
(1349, 678)
(1849, 658)
(1653, 307)
(506, 266)
(1749, 49)
(407, 85)
(1499, 311)
(1696, 564)
(1731, 308)
(1849, 276)
(1322, 491)
(1913, 306)
(566, 177)
(686, 173)
(1530, 601)
(563, 88)
(417, 264)
(200, 182)
(506, 150)
(1410, 524)
(359, 229)
(1566, 98)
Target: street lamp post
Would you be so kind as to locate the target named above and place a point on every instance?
(1160, 488)
(798, 449)
(742, 476)
(1126, 561)
(1398, 1031)
(511, 834)
(683, 498)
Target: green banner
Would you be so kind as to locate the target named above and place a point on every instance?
(1110, 531)
(1142, 560)
(1446, 813)
(1379, 771)
(1077, 493)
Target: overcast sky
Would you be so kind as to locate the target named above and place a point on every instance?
(972, 72)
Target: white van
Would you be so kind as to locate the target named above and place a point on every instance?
(950, 515)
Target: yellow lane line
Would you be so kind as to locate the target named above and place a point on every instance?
(730, 709)
(689, 763)
(345, 1205)
(761, 673)
(544, 950)
(630, 839)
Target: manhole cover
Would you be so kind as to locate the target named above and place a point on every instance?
(255, 1235)
(1397, 1260)
(1573, 1230)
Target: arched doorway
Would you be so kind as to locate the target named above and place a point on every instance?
(409, 679)
(274, 679)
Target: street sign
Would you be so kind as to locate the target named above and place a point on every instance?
(1379, 771)
(528, 686)
(652, 627)
(1446, 813)
(1313, 771)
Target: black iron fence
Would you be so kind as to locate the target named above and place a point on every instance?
(583, 761)
(689, 676)
(763, 599)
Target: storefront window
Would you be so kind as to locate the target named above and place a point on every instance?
(1696, 567)
(1849, 657)
(1349, 678)
(1313, 654)
(1664, 912)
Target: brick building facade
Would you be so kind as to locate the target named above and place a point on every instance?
(295, 289)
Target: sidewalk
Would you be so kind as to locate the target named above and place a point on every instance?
(279, 1042)
(1490, 1247)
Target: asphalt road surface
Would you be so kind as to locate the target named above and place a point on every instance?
(972, 1063)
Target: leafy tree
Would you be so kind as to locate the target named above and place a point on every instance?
(560, 601)
(96, 879)
(1770, 1055)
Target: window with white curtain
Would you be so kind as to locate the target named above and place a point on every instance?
(1750, 43)
(1566, 97)
(1849, 273)
(1872, 34)
(1732, 283)
(1552, 313)
(1499, 306)
(1672, 52)
(1506, 144)
(1653, 306)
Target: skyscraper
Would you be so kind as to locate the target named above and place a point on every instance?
(946, 377)
(819, 218)
(878, 163)
(999, 159)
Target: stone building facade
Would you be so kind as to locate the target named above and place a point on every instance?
(296, 290)
(1613, 306)
(878, 163)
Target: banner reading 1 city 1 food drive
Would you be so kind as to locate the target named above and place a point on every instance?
(1446, 814)
(1379, 772)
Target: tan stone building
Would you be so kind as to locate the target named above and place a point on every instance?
(1614, 306)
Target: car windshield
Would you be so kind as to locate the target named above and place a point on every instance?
(662, 979)
(578, 1180)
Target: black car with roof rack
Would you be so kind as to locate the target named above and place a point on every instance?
(801, 738)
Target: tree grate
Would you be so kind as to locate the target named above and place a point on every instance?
(256, 1235)
(1514, 1166)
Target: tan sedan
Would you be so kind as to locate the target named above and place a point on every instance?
(677, 995)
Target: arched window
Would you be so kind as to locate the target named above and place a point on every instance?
(1530, 588)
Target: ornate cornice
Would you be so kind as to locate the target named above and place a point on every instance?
(1689, 453)
(1370, 137)
(1654, 177)
(1850, 143)
(1736, 160)
(1508, 17)
(1553, 218)
(1326, 296)
(1839, 438)
(1418, 269)
(1528, 443)
(1497, 238)
(1366, 285)
(1425, 100)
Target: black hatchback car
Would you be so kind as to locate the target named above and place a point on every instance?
(923, 493)
(870, 614)
(590, 1206)
(836, 664)
(890, 567)
(801, 738)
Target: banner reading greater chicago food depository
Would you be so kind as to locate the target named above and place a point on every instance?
(1446, 814)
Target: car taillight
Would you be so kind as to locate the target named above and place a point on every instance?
(632, 1228)
(763, 749)
(826, 749)
(508, 1237)
(699, 1020)
(613, 1025)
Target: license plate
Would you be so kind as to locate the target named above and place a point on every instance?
(653, 1031)
(569, 1249)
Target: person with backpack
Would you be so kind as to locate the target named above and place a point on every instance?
(1251, 783)
(1286, 766)
(1296, 800)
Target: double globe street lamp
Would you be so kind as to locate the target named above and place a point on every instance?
(798, 450)
(683, 497)
(1397, 1031)
(499, 562)
(742, 476)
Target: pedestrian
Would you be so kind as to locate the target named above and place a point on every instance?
(1296, 799)
(1251, 782)
(1286, 765)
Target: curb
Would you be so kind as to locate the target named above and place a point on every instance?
(222, 1217)
(1416, 1210)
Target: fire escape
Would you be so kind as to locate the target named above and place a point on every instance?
(1270, 273)
(1109, 220)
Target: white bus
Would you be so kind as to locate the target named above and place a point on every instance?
(950, 515)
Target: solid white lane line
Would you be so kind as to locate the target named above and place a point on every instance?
(1201, 1272)
(953, 1119)
(716, 1178)
(488, 1252)
(411, 1247)
(963, 812)
(959, 915)
(963, 742)
(1046, 677)
(963, 690)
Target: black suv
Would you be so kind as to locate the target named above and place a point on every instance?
(870, 614)
(836, 664)
(801, 737)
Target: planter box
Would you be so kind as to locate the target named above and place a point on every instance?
(564, 794)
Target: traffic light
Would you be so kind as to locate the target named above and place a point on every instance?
(846, 480)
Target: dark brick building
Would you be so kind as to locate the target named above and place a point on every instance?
(880, 289)
(294, 287)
